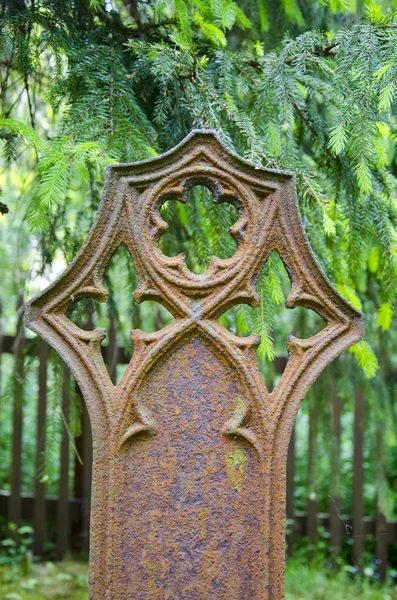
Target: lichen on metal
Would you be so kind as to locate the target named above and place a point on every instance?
(190, 447)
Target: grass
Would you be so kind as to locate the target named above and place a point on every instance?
(68, 581)
(311, 583)
(49, 581)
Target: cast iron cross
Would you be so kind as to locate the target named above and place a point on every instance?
(190, 448)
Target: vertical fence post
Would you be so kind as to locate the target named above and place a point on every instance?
(39, 517)
(112, 347)
(1, 353)
(87, 475)
(63, 526)
(86, 454)
(82, 472)
(14, 508)
(78, 461)
(358, 478)
(335, 488)
(382, 544)
(382, 540)
(311, 476)
(291, 489)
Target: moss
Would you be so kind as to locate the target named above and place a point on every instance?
(235, 467)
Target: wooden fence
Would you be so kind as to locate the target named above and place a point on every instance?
(69, 516)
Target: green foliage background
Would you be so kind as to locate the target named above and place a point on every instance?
(292, 84)
(68, 581)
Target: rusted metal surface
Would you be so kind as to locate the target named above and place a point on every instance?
(190, 448)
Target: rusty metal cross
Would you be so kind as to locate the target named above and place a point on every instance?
(190, 448)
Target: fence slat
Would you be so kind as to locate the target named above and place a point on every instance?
(63, 513)
(14, 514)
(382, 539)
(112, 347)
(382, 545)
(291, 489)
(1, 355)
(87, 455)
(311, 476)
(87, 476)
(335, 491)
(39, 519)
(83, 470)
(358, 478)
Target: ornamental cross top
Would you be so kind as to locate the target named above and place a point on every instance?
(190, 448)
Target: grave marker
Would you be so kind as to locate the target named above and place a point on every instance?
(190, 448)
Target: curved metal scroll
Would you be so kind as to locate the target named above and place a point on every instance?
(190, 447)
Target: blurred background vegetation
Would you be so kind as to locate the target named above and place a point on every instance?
(302, 85)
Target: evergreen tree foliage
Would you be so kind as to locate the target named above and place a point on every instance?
(129, 80)
(289, 84)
